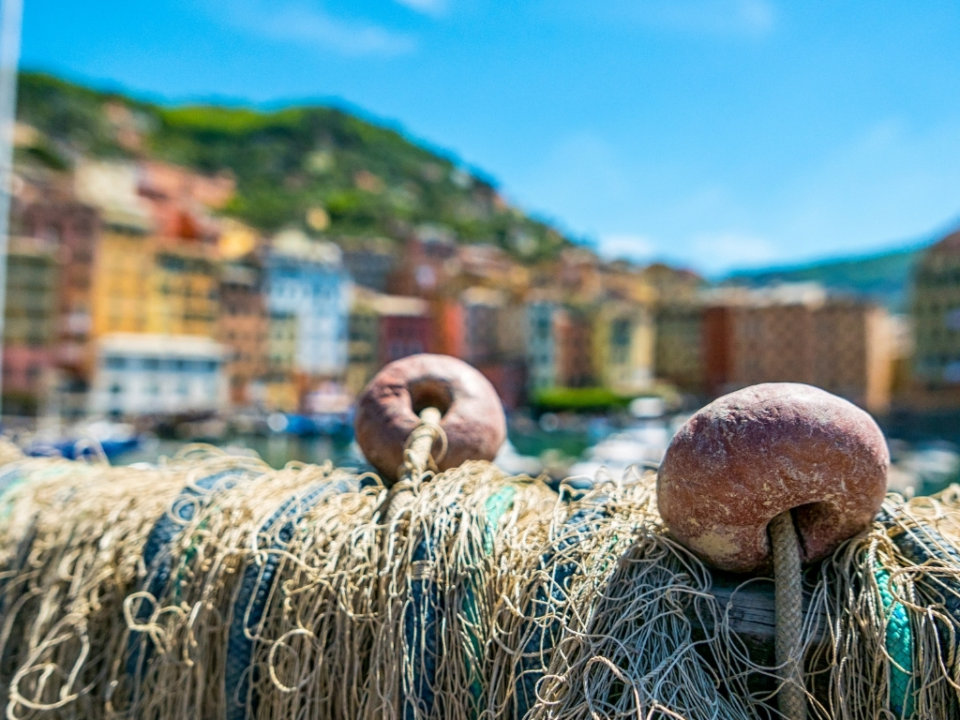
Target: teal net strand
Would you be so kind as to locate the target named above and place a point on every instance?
(899, 642)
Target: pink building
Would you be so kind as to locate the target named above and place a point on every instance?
(30, 324)
(405, 328)
(68, 232)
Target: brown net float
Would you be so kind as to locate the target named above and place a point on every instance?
(468, 422)
(214, 586)
(776, 473)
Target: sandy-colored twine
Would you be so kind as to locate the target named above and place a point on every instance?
(488, 596)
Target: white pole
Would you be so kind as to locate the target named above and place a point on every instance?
(11, 16)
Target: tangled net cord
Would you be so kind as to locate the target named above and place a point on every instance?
(371, 658)
(635, 652)
(617, 621)
(59, 575)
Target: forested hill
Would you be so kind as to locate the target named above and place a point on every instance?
(366, 178)
(883, 277)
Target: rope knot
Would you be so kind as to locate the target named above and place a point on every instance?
(418, 459)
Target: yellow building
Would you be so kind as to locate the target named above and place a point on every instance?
(622, 281)
(148, 284)
(123, 266)
(282, 391)
(155, 269)
(122, 274)
(183, 297)
(624, 346)
(678, 347)
(362, 340)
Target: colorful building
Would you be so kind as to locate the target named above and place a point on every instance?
(370, 263)
(30, 324)
(405, 327)
(72, 231)
(935, 308)
(427, 264)
(493, 327)
(623, 346)
(678, 345)
(448, 332)
(672, 286)
(124, 263)
(622, 281)
(482, 310)
(798, 333)
(184, 287)
(306, 282)
(542, 370)
(242, 328)
(363, 337)
(283, 381)
(855, 352)
(490, 266)
(574, 331)
(140, 374)
(184, 292)
(512, 331)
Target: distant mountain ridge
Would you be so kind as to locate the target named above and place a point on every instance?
(309, 164)
(882, 277)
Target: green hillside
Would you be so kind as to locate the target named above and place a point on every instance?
(883, 277)
(370, 179)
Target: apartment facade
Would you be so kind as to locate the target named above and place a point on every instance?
(306, 282)
(141, 374)
(30, 324)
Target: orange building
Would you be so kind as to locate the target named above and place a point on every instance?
(122, 273)
(449, 331)
(799, 334)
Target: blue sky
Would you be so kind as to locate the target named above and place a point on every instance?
(710, 133)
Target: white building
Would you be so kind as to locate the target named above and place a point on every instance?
(158, 374)
(306, 280)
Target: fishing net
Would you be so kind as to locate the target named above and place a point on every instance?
(214, 586)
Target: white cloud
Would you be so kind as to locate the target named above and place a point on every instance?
(638, 248)
(312, 25)
(427, 7)
(752, 18)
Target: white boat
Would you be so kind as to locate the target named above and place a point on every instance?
(631, 451)
(512, 462)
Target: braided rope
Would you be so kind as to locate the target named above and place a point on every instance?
(419, 464)
(788, 602)
(417, 455)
